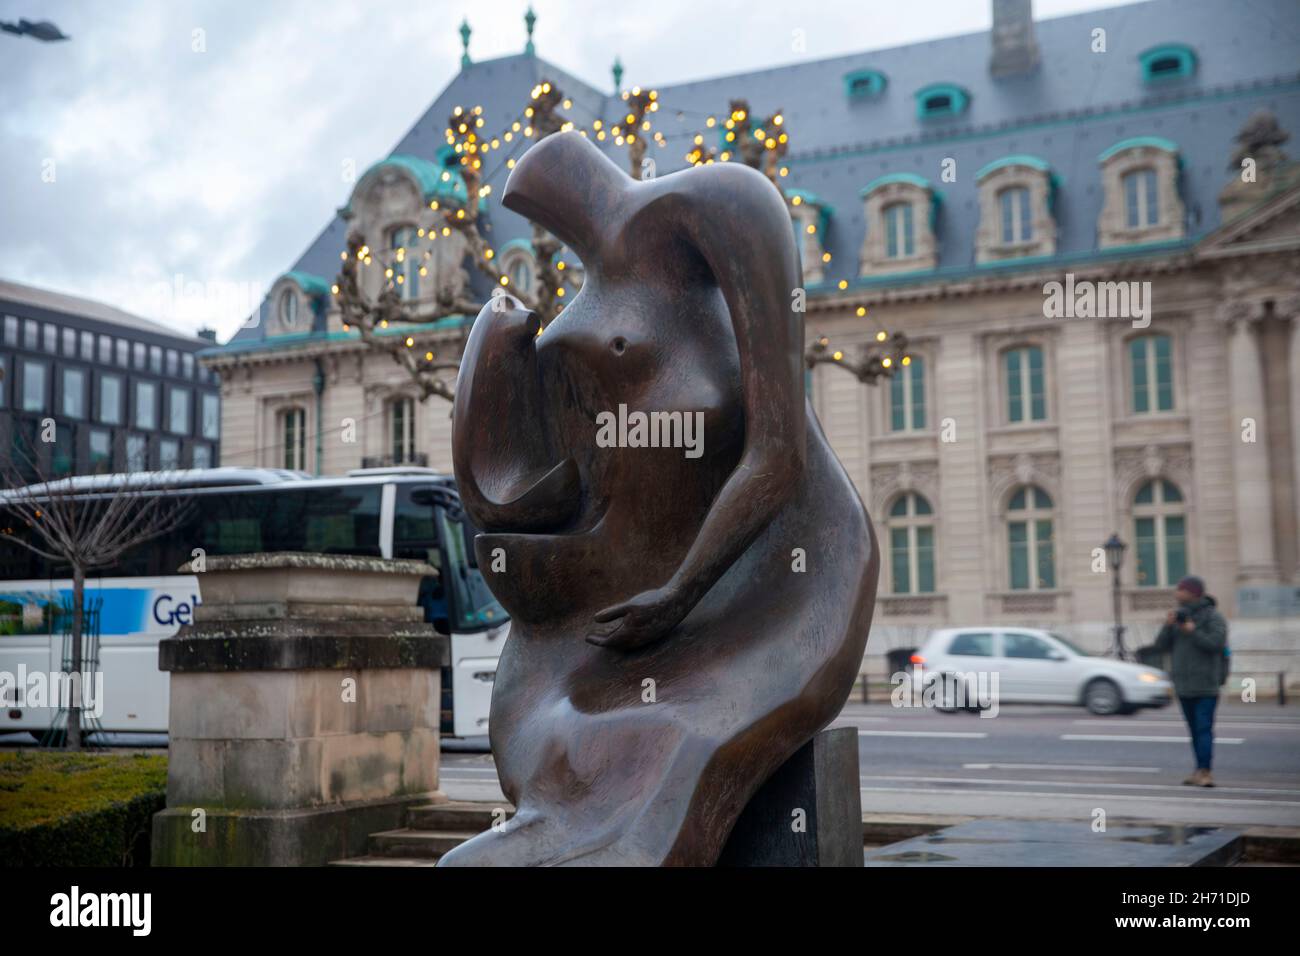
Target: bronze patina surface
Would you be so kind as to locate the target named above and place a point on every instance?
(668, 650)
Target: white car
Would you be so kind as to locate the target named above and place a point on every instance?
(1034, 667)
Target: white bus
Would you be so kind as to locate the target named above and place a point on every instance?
(409, 513)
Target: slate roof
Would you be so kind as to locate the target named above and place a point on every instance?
(1076, 105)
(17, 293)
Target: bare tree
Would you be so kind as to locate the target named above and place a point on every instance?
(84, 523)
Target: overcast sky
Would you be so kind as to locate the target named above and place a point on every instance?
(183, 141)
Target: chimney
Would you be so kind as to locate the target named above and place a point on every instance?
(1015, 51)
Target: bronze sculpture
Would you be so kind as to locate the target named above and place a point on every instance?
(711, 654)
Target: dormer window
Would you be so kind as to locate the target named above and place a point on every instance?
(900, 210)
(1015, 210)
(810, 217)
(864, 84)
(289, 309)
(1170, 61)
(1142, 204)
(940, 100)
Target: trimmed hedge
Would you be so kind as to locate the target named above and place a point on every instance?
(79, 809)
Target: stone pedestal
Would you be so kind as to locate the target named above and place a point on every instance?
(305, 706)
(809, 813)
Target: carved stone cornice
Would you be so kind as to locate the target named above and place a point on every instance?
(1134, 466)
(891, 479)
(1008, 472)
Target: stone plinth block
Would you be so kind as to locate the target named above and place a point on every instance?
(809, 813)
(305, 704)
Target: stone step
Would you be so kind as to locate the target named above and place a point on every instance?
(456, 815)
(422, 844)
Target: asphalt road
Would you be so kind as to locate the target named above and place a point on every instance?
(1047, 763)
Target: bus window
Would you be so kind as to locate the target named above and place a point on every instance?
(473, 606)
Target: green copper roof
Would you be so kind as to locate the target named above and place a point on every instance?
(1020, 159)
(310, 284)
(1155, 142)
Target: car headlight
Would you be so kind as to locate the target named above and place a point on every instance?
(1149, 678)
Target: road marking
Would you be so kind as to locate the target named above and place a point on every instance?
(1149, 739)
(919, 733)
(1235, 725)
(1058, 766)
(949, 792)
(1074, 783)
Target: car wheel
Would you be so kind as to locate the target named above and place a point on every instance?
(1102, 697)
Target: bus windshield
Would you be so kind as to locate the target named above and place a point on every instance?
(474, 606)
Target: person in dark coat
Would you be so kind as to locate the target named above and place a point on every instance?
(1196, 634)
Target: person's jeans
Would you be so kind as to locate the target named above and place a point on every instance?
(1199, 713)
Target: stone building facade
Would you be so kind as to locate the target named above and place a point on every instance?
(1090, 233)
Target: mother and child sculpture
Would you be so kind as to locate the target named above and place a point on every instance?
(683, 619)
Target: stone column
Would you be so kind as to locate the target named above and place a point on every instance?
(305, 707)
(1256, 560)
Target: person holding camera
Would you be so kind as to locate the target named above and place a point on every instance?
(1196, 634)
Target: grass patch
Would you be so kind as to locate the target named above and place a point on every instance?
(79, 809)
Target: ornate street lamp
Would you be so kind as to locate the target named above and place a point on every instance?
(1115, 558)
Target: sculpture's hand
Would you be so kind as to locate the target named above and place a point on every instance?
(646, 618)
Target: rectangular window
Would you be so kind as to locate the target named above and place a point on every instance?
(897, 404)
(138, 355)
(123, 349)
(187, 364)
(1141, 201)
(1037, 388)
(211, 415)
(63, 454)
(907, 397)
(1018, 541)
(146, 405)
(178, 411)
(169, 454)
(900, 561)
(173, 362)
(293, 427)
(137, 452)
(74, 393)
(1046, 565)
(202, 456)
(1148, 569)
(101, 449)
(11, 330)
(88, 346)
(4, 379)
(51, 339)
(31, 334)
(155, 359)
(1137, 351)
(110, 399)
(916, 374)
(70, 343)
(925, 560)
(33, 386)
(105, 350)
(1175, 548)
(1151, 368)
(1015, 387)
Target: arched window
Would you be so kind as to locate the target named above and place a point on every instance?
(1160, 533)
(406, 263)
(1031, 562)
(899, 238)
(1017, 220)
(1141, 198)
(1023, 384)
(907, 397)
(1151, 374)
(401, 430)
(293, 438)
(911, 545)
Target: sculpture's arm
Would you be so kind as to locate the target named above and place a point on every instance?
(740, 225)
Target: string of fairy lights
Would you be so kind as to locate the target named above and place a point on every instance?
(762, 142)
